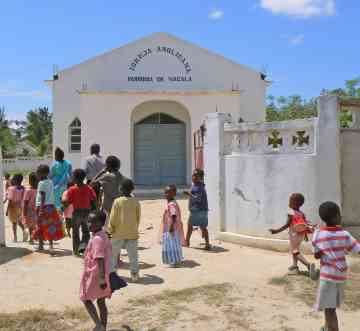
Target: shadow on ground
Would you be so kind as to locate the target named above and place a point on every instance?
(8, 254)
(214, 249)
(146, 279)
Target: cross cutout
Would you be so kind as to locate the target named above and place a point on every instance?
(301, 139)
(275, 140)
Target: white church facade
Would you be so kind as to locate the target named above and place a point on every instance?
(143, 101)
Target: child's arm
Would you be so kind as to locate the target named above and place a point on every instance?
(42, 202)
(101, 266)
(283, 228)
(114, 215)
(10, 203)
(172, 226)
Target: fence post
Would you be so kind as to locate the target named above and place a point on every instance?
(2, 215)
(214, 169)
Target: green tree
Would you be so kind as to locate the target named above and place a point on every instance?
(7, 141)
(39, 129)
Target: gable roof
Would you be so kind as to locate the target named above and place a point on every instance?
(157, 35)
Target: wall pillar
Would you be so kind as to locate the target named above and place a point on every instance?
(214, 170)
(2, 215)
(328, 149)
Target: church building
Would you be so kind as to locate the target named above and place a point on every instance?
(143, 102)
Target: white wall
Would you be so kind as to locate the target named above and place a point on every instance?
(255, 180)
(2, 215)
(24, 164)
(110, 72)
(107, 119)
(350, 167)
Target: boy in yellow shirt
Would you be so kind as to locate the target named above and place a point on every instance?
(124, 228)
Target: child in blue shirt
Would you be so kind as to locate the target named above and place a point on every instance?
(198, 207)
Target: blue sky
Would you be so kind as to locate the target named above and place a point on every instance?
(304, 45)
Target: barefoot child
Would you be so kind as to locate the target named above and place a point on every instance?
(29, 205)
(172, 230)
(95, 283)
(49, 222)
(331, 244)
(68, 211)
(83, 199)
(15, 194)
(298, 229)
(124, 228)
(198, 206)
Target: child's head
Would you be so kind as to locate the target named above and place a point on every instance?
(43, 171)
(95, 149)
(112, 163)
(296, 201)
(330, 213)
(7, 176)
(197, 176)
(79, 176)
(59, 154)
(17, 179)
(170, 192)
(33, 180)
(97, 221)
(127, 187)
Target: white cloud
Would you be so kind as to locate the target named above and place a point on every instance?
(216, 14)
(297, 40)
(5, 92)
(300, 8)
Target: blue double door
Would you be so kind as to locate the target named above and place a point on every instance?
(160, 154)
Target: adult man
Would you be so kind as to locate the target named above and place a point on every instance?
(94, 163)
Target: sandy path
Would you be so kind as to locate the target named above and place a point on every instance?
(41, 281)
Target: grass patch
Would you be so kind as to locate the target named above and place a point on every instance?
(40, 319)
(155, 312)
(304, 289)
(279, 281)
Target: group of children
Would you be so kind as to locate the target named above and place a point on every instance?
(113, 220)
(116, 227)
(331, 243)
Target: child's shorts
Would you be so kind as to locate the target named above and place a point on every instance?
(330, 295)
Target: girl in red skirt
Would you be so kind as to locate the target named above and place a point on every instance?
(49, 222)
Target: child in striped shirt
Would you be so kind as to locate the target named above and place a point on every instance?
(330, 244)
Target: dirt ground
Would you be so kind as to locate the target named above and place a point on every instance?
(229, 288)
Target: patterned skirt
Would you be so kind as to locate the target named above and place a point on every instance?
(171, 248)
(50, 226)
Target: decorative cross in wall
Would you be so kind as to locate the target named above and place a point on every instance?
(301, 139)
(275, 140)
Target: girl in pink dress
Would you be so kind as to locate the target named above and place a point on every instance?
(15, 196)
(172, 231)
(95, 280)
(29, 205)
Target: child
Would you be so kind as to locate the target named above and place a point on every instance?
(83, 199)
(198, 206)
(15, 194)
(29, 205)
(110, 181)
(124, 228)
(298, 229)
(6, 185)
(68, 211)
(331, 244)
(95, 282)
(172, 230)
(49, 222)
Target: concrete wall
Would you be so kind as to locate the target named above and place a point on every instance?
(113, 129)
(2, 215)
(24, 164)
(350, 167)
(249, 180)
(110, 72)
